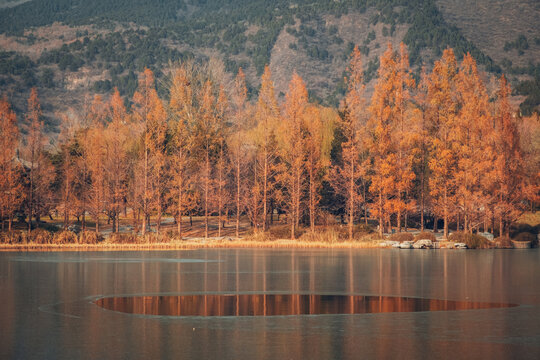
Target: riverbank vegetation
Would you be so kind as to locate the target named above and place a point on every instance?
(446, 150)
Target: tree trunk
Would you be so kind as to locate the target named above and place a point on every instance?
(238, 195)
(365, 202)
(206, 185)
(422, 204)
(179, 224)
(158, 225)
(406, 218)
(399, 220)
(381, 222)
(84, 213)
(311, 200)
(351, 201)
(220, 195)
(292, 226)
(445, 234)
(265, 184)
(145, 200)
(297, 197)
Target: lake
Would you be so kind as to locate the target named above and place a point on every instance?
(235, 304)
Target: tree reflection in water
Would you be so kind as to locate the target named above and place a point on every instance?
(281, 304)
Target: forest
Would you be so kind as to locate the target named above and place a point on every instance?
(132, 35)
(446, 149)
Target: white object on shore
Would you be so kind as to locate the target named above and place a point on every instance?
(423, 244)
(487, 235)
(406, 245)
(389, 243)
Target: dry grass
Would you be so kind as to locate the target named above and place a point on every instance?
(149, 243)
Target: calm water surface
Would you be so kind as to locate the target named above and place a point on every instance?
(48, 304)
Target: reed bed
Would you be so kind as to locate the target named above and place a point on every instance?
(194, 244)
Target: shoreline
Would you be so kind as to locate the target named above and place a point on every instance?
(191, 245)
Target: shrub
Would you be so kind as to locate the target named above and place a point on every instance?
(424, 235)
(401, 237)
(12, 237)
(326, 218)
(284, 232)
(154, 238)
(50, 227)
(525, 236)
(525, 232)
(259, 236)
(119, 238)
(363, 228)
(90, 237)
(503, 242)
(473, 241)
(329, 235)
(359, 231)
(65, 237)
(40, 236)
(172, 235)
(516, 229)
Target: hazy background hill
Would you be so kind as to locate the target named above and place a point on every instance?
(70, 49)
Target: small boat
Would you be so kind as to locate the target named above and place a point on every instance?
(460, 246)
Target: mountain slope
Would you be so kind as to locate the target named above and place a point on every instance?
(70, 49)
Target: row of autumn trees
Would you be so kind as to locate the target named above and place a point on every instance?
(445, 146)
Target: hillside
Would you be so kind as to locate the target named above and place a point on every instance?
(71, 49)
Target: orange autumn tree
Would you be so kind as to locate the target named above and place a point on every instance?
(182, 113)
(155, 138)
(471, 134)
(11, 189)
(420, 146)
(291, 171)
(147, 110)
(68, 172)
(40, 171)
(529, 135)
(403, 137)
(204, 145)
(442, 109)
(115, 165)
(382, 148)
(266, 115)
(94, 154)
(508, 189)
(237, 143)
(221, 113)
(347, 174)
(319, 126)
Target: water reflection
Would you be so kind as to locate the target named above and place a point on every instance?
(282, 304)
(47, 311)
